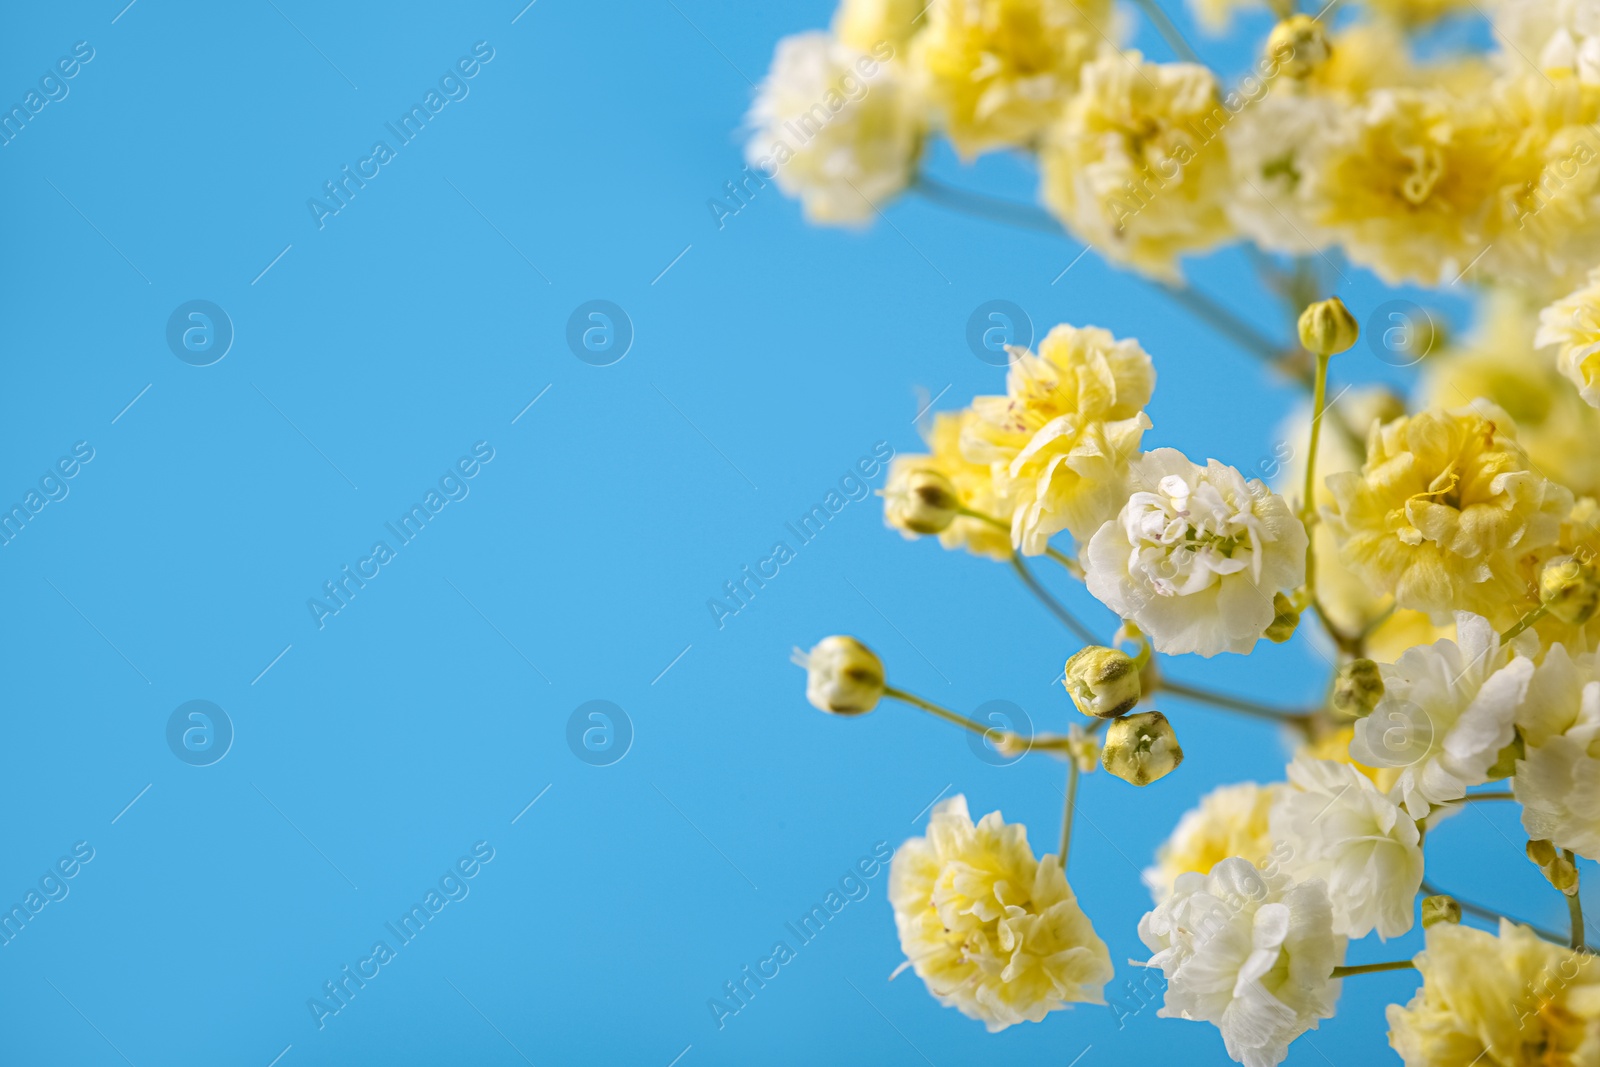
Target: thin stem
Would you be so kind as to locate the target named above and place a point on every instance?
(1526, 621)
(1373, 968)
(1485, 796)
(1072, 565)
(1067, 811)
(1319, 403)
(1575, 907)
(1481, 912)
(1223, 321)
(944, 713)
(1066, 618)
(1230, 703)
(981, 205)
(1168, 31)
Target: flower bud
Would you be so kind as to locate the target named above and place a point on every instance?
(1141, 748)
(1542, 853)
(1102, 682)
(1563, 874)
(843, 676)
(1570, 587)
(1440, 909)
(1327, 328)
(1300, 45)
(1083, 748)
(920, 500)
(1357, 688)
(1285, 622)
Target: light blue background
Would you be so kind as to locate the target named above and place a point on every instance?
(428, 713)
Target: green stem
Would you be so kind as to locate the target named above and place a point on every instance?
(1575, 907)
(944, 713)
(1373, 968)
(1066, 618)
(1072, 565)
(1239, 704)
(1067, 811)
(1526, 621)
(1308, 508)
(1430, 890)
(1486, 796)
(1169, 32)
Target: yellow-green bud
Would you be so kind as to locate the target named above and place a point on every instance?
(1300, 45)
(1285, 622)
(1327, 328)
(1102, 681)
(843, 676)
(1542, 853)
(1083, 748)
(1141, 748)
(1440, 909)
(1357, 688)
(1563, 874)
(921, 500)
(1570, 587)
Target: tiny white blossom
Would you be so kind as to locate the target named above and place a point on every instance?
(1196, 554)
(1335, 825)
(1558, 779)
(1249, 952)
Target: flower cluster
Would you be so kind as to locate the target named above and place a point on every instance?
(1438, 548)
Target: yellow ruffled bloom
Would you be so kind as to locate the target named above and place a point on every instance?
(1441, 511)
(1511, 1001)
(1573, 324)
(992, 931)
(997, 72)
(1061, 438)
(865, 24)
(1417, 12)
(1498, 363)
(974, 483)
(1138, 166)
(1230, 821)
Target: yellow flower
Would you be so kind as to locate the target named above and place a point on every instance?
(1555, 427)
(1216, 16)
(992, 931)
(1230, 821)
(1061, 438)
(1507, 1001)
(865, 24)
(974, 483)
(1417, 12)
(997, 72)
(1573, 323)
(1442, 509)
(1138, 166)
(1579, 537)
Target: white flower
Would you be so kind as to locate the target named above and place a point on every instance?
(1447, 711)
(1267, 145)
(1196, 555)
(1251, 953)
(1558, 779)
(1335, 825)
(1573, 322)
(1230, 821)
(835, 127)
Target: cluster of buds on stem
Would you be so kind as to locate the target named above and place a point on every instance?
(1104, 683)
(1560, 871)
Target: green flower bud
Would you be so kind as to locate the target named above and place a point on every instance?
(1563, 874)
(1141, 748)
(1300, 45)
(1570, 587)
(1440, 909)
(843, 676)
(1542, 853)
(1357, 688)
(1102, 682)
(1327, 328)
(920, 500)
(1285, 622)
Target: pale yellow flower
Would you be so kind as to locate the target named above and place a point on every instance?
(1573, 324)
(835, 127)
(1499, 363)
(974, 482)
(1062, 437)
(1417, 12)
(1216, 16)
(867, 24)
(1507, 1001)
(992, 931)
(1138, 166)
(1442, 509)
(997, 72)
(1231, 820)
